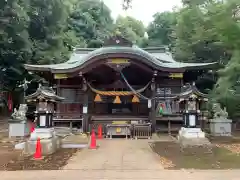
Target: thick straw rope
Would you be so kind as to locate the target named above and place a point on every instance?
(118, 93)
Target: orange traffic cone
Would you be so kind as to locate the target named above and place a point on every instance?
(38, 152)
(93, 143)
(100, 132)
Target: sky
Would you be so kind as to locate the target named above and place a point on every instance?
(142, 9)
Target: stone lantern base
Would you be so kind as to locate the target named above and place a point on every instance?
(191, 133)
(192, 137)
(49, 141)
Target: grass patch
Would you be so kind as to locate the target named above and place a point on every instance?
(201, 157)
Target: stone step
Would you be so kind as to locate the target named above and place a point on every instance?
(75, 139)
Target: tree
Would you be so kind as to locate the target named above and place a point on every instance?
(15, 46)
(131, 29)
(47, 19)
(160, 30)
(227, 89)
(91, 21)
(197, 39)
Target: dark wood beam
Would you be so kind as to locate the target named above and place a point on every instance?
(153, 106)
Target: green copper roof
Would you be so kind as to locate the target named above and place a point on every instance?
(46, 93)
(153, 57)
(190, 90)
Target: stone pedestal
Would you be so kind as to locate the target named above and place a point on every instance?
(18, 129)
(42, 133)
(221, 127)
(191, 133)
(49, 141)
(192, 137)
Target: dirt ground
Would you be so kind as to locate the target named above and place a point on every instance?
(7, 154)
(230, 143)
(52, 162)
(215, 157)
(224, 140)
(12, 160)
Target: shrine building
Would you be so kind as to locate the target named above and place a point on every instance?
(120, 82)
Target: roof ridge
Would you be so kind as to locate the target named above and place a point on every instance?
(160, 49)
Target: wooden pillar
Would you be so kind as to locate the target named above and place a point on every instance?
(169, 127)
(85, 123)
(59, 94)
(153, 106)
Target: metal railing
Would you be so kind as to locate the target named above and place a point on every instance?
(138, 131)
(142, 131)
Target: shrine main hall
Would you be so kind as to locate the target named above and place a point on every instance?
(121, 83)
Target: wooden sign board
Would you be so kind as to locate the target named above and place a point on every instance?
(119, 122)
(118, 64)
(60, 76)
(176, 75)
(118, 61)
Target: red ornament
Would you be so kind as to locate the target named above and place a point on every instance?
(10, 106)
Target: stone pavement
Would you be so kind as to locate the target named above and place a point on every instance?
(119, 160)
(116, 154)
(121, 175)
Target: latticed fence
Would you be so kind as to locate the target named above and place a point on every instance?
(138, 131)
(142, 131)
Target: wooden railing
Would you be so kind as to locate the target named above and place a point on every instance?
(171, 123)
(67, 116)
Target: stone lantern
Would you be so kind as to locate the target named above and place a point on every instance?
(44, 113)
(192, 99)
(45, 99)
(190, 115)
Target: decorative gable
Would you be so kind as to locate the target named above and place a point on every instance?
(117, 40)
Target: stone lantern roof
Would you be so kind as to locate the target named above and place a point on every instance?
(44, 93)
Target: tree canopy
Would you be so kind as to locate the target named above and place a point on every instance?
(161, 29)
(131, 29)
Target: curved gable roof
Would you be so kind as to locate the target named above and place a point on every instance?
(161, 61)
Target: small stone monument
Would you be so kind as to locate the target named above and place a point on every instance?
(220, 125)
(44, 98)
(18, 125)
